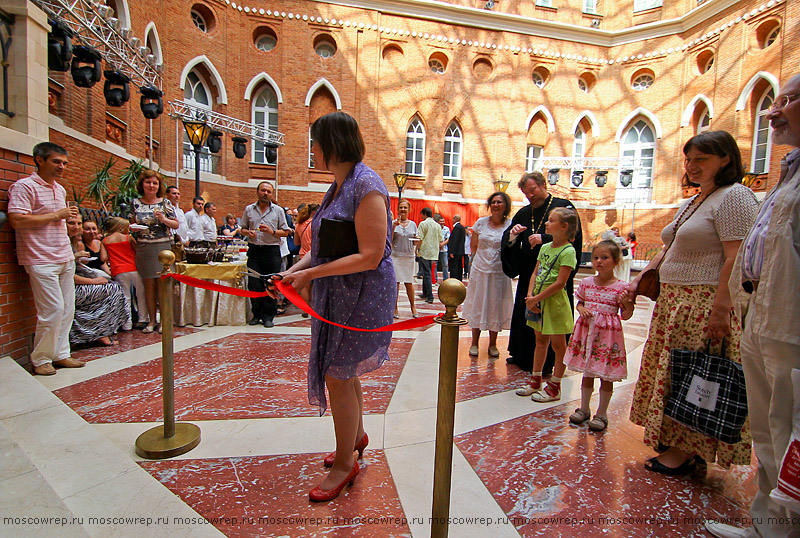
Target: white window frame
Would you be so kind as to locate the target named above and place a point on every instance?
(310, 154)
(452, 158)
(259, 149)
(533, 156)
(544, 3)
(579, 148)
(642, 180)
(759, 159)
(590, 6)
(415, 142)
(198, 19)
(704, 123)
(262, 38)
(190, 87)
(644, 5)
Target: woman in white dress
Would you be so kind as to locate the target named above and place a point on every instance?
(404, 237)
(489, 300)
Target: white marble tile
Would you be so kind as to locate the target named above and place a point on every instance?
(35, 510)
(417, 387)
(249, 437)
(15, 461)
(133, 505)
(21, 392)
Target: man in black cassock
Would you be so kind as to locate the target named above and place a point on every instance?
(520, 248)
(456, 248)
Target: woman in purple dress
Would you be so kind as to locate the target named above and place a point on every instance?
(354, 290)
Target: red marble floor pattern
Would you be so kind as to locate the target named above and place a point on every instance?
(237, 377)
(261, 496)
(562, 480)
(126, 341)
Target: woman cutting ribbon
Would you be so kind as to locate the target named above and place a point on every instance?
(354, 289)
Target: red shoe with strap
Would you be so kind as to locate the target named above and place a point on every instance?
(319, 495)
(360, 446)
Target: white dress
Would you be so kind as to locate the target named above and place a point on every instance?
(489, 300)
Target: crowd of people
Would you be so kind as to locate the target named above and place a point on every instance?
(729, 273)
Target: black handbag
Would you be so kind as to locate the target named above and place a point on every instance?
(337, 238)
(708, 394)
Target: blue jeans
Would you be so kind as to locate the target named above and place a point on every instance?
(443, 265)
(427, 284)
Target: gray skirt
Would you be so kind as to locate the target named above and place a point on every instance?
(147, 258)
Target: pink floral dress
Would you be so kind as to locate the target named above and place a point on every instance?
(597, 346)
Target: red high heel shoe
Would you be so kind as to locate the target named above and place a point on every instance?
(319, 495)
(360, 446)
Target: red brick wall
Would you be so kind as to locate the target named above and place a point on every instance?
(17, 311)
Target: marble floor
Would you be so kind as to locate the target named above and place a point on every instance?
(519, 468)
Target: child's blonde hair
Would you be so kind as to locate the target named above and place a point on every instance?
(570, 218)
(117, 224)
(613, 249)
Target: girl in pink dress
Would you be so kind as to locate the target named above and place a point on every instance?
(597, 346)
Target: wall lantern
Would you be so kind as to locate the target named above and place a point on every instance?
(116, 89)
(239, 146)
(601, 178)
(86, 70)
(500, 185)
(552, 176)
(577, 178)
(400, 180)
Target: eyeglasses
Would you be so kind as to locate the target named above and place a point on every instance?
(783, 100)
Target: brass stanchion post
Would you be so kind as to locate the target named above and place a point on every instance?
(452, 293)
(171, 439)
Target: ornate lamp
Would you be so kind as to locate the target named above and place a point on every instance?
(197, 130)
(400, 180)
(749, 178)
(500, 185)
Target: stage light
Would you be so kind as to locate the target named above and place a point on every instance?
(552, 176)
(59, 47)
(626, 177)
(116, 89)
(577, 178)
(271, 153)
(86, 70)
(600, 178)
(239, 146)
(151, 103)
(214, 141)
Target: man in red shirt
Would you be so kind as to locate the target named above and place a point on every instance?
(37, 210)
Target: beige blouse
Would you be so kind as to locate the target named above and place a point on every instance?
(697, 255)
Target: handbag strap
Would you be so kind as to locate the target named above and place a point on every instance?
(551, 268)
(679, 223)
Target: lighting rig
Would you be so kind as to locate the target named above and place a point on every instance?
(100, 38)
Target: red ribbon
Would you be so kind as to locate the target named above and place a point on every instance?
(290, 293)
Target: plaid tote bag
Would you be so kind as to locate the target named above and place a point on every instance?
(708, 394)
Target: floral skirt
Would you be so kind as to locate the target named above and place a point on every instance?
(680, 321)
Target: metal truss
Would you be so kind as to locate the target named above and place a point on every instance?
(185, 111)
(587, 163)
(94, 27)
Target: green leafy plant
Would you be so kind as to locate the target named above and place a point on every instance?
(99, 188)
(78, 196)
(126, 185)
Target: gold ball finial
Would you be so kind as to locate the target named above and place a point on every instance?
(452, 292)
(166, 258)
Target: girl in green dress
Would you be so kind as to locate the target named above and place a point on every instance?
(549, 312)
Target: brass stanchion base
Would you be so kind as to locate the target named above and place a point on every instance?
(154, 446)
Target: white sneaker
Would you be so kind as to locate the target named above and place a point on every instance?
(722, 530)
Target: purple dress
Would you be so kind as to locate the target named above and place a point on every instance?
(364, 299)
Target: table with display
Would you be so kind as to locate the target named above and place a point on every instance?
(197, 306)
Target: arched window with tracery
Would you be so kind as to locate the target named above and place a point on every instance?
(453, 148)
(265, 114)
(415, 148)
(637, 150)
(196, 92)
(762, 134)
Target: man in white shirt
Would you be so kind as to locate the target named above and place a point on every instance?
(174, 196)
(209, 224)
(195, 229)
(444, 248)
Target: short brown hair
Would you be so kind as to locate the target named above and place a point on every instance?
(721, 144)
(148, 174)
(537, 176)
(338, 136)
(613, 249)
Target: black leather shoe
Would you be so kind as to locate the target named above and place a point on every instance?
(254, 321)
(268, 323)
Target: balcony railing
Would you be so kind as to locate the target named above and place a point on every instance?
(208, 162)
